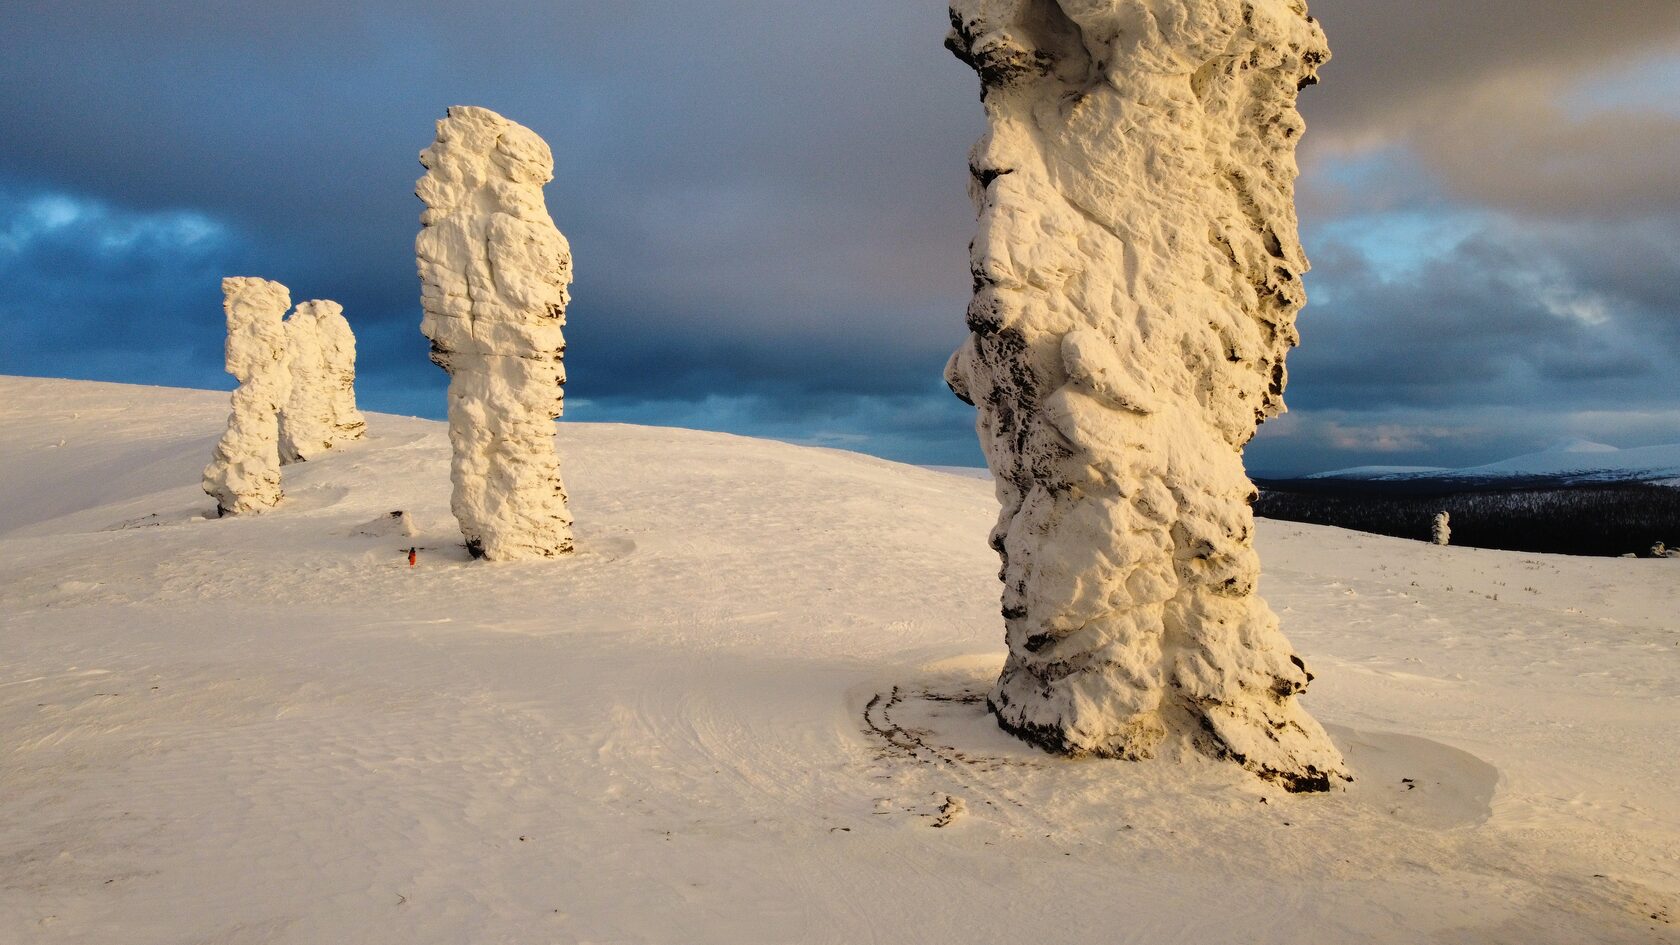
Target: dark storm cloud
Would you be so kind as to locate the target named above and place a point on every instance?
(1519, 146)
(111, 295)
(1496, 99)
(1636, 264)
(1500, 341)
(1392, 59)
(715, 154)
(1497, 318)
(930, 427)
(1455, 437)
(762, 197)
(1492, 201)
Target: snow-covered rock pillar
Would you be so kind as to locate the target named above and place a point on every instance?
(338, 356)
(1137, 275)
(306, 421)
(1441, 532)
(321, 412)
(494, 273)
(244, 473)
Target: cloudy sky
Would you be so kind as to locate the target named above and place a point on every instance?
(766, 201)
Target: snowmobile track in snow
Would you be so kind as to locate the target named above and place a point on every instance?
(970, 771)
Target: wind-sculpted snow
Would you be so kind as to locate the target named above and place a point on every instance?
(493, 272)
(1137, 275)
(244, 473)
(322, 410)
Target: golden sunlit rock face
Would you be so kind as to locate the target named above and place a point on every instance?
(321, 413)
(494, 273)
(244, 472)
(1137, 274)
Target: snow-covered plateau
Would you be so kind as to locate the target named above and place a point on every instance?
(749, 708)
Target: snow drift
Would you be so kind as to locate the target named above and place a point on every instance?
(1137, 275)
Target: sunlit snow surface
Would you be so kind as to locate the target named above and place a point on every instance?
(742, 712)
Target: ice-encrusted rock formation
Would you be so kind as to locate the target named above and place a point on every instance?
(244, 473)
(305, 419)
(1441, 531)
(494, 273)
(321, 412)
(1137, 275)
(338, 353)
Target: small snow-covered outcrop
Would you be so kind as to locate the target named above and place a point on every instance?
(1441, 532)
(244, 473)
(391, 524)
(1137, 275)
(321, 412)
(494, 273)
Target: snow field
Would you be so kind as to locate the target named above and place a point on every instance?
(747, 710)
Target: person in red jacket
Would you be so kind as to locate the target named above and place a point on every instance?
(411, 557)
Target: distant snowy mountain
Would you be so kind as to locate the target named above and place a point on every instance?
(1568, 461)
(1378, 472)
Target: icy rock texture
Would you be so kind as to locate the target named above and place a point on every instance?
(305, 420)
(338, 353)
(244, 473)
(321, 412)
(1137, 276)
(493, 273)
(1442, 532)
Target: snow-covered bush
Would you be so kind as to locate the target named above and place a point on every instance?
(494, 273)
(1137, 276)
(1442, 529)
(244, 472)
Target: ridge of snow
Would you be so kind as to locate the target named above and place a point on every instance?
(967, 472)
(1652, 461)
(1576, 444)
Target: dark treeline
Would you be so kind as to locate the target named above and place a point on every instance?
(1603, 519)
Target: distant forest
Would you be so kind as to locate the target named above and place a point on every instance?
(1587, 519)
